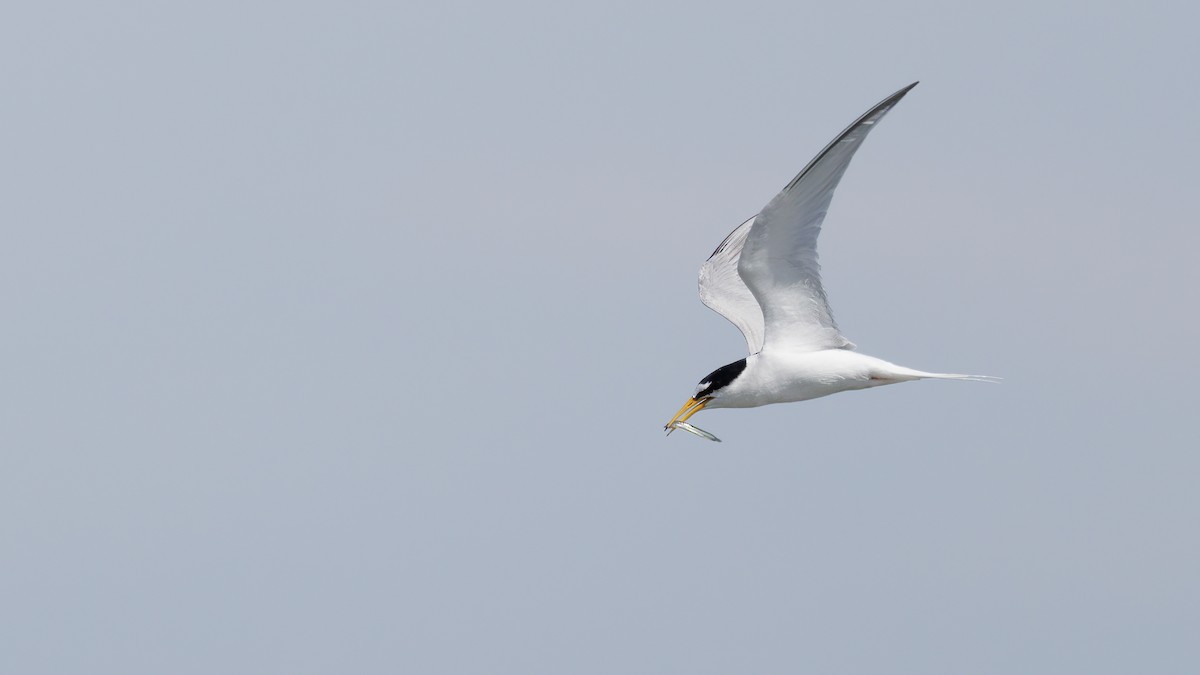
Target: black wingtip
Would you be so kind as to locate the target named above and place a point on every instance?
(889, 101)
(903, 90)
(877, 111)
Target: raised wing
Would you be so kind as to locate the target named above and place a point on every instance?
(722, 289)
(778, 260)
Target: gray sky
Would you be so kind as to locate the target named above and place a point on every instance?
(339, 337)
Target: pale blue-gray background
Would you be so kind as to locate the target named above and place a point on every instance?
(338, 338)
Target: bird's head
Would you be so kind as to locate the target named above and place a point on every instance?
(710, 389)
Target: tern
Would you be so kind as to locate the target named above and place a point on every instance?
(765, 279)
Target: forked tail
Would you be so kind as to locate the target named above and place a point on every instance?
(955, 376)
(901, 373)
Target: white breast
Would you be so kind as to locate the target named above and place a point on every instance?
(782, 377)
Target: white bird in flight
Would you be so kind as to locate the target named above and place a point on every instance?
(765, 279)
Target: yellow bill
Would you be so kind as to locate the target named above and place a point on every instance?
(693, 406)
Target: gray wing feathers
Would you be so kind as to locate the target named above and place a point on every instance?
(778, 260)
(722, 289)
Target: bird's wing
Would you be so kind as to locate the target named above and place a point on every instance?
(778, 260)
(722, 289)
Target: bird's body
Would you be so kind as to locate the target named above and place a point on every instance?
(781, 376)
(765, 278)
(784, 377)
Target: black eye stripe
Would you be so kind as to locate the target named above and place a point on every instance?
(721, 377)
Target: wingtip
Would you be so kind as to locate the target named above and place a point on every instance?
(894, 98)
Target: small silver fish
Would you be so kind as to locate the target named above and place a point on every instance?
(695, 430)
